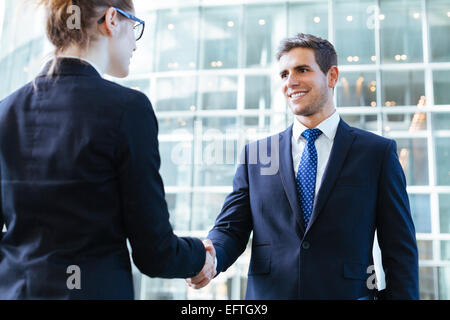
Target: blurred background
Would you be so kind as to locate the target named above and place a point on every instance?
(210, 64)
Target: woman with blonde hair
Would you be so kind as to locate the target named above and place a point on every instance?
(79, 169)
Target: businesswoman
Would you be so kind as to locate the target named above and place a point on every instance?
(79, 168)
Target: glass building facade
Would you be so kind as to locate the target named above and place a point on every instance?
(208, 67)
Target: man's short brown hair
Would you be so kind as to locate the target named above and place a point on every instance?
(324, 51)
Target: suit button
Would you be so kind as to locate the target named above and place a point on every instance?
(306, 245)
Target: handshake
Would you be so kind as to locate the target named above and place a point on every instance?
(209, 269)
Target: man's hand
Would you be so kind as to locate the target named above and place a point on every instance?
(208, 272)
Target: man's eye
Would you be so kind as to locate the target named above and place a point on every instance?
(283, 75)
(303, 70)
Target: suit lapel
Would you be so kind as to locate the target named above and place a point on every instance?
(287, 175)
(341, 146)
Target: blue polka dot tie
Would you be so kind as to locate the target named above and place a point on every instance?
(306, 175)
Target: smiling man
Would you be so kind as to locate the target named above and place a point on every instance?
(314, 221)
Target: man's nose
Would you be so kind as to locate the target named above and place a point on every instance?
(292, 80)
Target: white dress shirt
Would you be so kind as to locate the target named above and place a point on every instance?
(323, 144)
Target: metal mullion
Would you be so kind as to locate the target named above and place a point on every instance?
(378, 69)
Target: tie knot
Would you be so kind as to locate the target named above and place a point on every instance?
(311, 134)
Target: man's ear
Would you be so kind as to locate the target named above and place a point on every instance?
(111, 20)
(333, 76)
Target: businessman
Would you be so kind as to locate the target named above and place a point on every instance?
(314, 219)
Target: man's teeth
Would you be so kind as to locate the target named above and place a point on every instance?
(296, 95)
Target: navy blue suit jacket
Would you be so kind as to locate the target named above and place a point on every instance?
(79, 169)
(363, 190)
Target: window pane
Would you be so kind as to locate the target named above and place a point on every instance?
(223, 124)
(357, 89)
(427, 283)
(175, 93)
(218, 92)
(402, 88)
(413, 156)
(177, 39)
(425, 249)
(214, 175)
(169, 125)
(439, 29)
(441, 121)
(441, 81)
(175, 168)
(309, 17)
(220, 40)
(411, 122)
(444, 212)
(401, 31)
(365, 122)
(265, 27)
(179, 205)
(443, 161)
(445, 250)
(354, 31)
(258, 92)
(206, 208)
(444, 283)
(420, 211)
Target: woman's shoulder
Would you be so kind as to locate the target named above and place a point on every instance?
(127, 96)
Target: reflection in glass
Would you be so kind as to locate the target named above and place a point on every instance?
(420, 212)
(444, 213)
(411, 122)
(177, 39)
(218, 92)
(443, 161)
(175, 93)
(206, 207)
(439, 29)
(402, 88)
(413, 157)
(357, 89)
(354, 31)
(220, 37)
(401, 31)
(309, 17)
(441, 81)
(365, 122)
(264, 29)
(258, 92)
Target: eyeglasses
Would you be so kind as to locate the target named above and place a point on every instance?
(138, 28)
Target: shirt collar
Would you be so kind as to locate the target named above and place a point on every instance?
(87, 61)
(327, 126)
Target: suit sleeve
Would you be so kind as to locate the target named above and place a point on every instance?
(156, 251)
(233, 225)
(395, 230)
